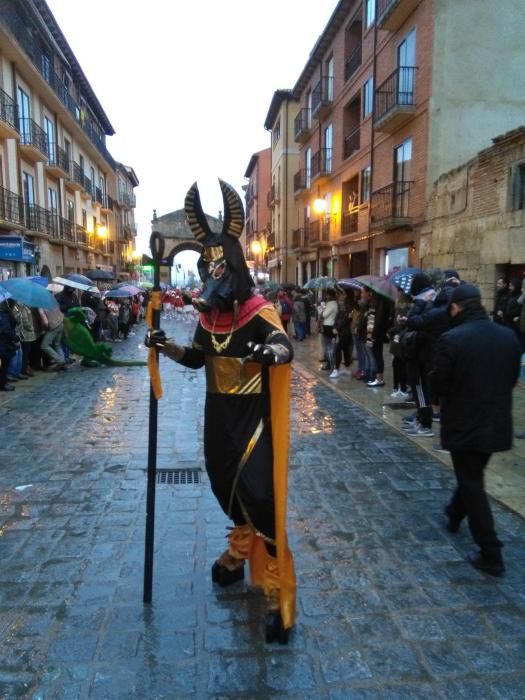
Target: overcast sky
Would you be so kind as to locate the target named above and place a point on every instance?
(187, 85)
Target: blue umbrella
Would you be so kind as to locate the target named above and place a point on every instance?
(118, 293)
(29, 293)
(42, 281)
(4, 294)
(402, 279)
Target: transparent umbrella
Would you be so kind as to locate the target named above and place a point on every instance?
(321, 283)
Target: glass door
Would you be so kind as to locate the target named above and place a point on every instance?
(24, 114)
(402, 168)
(406, 60)
(328, 142)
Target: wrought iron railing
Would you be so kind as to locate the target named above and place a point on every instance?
(56, 156)
(352, 142)
(75, 173)
(302, 122)
(68, 229)
(54, 229)
(298, 238)
(323, 93)
(43, 62)
(398, 90)
(353, 61)
(81, 235)
(390, 204)
(321, 162)
(349, 223)
(36, 218)
(88, 185)
(32, 135)
(11, 207)
(299, 180)
(8, 110)
(318, 230)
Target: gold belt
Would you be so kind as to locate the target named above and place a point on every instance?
(229, 375)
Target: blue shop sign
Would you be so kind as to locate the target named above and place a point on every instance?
(17, 249)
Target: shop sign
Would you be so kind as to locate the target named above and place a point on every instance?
(16, 248)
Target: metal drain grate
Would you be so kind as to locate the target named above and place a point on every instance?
(178, 477)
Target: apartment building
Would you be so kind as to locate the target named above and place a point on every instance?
(258, 213)
(280, 121)
(393, 94)
(59, 185)
(476, 216)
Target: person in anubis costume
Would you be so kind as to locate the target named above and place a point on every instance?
(242, 344)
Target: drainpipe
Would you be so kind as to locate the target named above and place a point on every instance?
(372, 142)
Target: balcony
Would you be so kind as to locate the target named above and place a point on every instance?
(300, 180)
(273, 197)
(321, 165)
(299, 239)
(318, 231)
(390, 206)
(57, 160)
(391, 14)
(349, 223)
(323, 97)
(303, 125)
(352, 143)
(8, 116)
(126, 199)
(106, 204)
(353, 62)
(76, 176)
(81, 235)
(33, 141)
(395, 99)
(67, 228)
(43, 63)
(36, 218)
(87, 188)
(11, 209)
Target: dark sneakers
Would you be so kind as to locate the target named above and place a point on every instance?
(492, 565)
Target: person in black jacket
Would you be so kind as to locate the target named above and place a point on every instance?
(475, 369)
(500, 301)
(9, 342)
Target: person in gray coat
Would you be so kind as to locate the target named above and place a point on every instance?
(476, 366)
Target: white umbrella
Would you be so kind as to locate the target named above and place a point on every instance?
(72, 283)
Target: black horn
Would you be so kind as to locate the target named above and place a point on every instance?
(233, 210)
(196, 218)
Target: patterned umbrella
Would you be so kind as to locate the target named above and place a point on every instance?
(402, 279)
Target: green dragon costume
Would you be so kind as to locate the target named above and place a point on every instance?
(80, 341)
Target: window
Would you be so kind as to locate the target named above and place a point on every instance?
(53, 209)
(84, 218)
(368, 97)
(29, 188)
(518, 187)
(308, 166)
(327, 139)
(309, 108)
(49, 128)
(24, 114)
(370, 12)
(366, 176)
(330, 79)
(70, 211)
(46, 67)
(402, 161)
(276, 133)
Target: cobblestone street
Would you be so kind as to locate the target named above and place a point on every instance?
(388, 607)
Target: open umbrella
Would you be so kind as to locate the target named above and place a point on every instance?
(4, 295)
(75, 281)
(146, 285)
(350, 283)
(119, 293)
(379, 285)
(29, 293)
(321, 283)
(42, 281)
(402, 279)
(132, 289)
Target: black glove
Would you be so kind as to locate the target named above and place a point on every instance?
(261, 353)
(154, 338)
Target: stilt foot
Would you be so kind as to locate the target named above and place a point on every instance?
(275, 632)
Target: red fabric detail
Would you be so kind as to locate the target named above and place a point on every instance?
(222, 322)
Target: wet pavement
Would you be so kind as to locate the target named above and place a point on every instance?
(387, 605)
